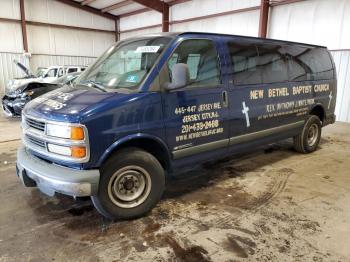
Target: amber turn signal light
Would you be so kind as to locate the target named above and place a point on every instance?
(78, 151)
(77, 133)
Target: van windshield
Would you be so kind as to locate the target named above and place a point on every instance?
(123, 67)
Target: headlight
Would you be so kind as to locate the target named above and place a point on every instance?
(73, 151)
(65, 131)
(61, 150)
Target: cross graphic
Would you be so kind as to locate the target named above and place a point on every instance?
(245, 112)
(330, 99)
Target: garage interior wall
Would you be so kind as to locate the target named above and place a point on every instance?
(11, 46)
(245, 23)
(50, 45)
(320, 22)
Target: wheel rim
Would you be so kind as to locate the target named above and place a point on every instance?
(312, 135)
(129, 186)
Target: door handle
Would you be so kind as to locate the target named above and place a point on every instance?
(224, 99)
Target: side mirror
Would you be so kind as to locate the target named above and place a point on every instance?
(180, 77)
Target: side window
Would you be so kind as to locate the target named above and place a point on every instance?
(202, 59)
(193, 65)
(272, 64)
(72, 70)
(320, 64)
(297, 70)
(309, 64)
(244, 59)
(51, 73)
(172, 61)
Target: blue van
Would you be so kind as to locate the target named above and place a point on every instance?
(152, 105)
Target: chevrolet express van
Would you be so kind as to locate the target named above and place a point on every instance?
(152, 105)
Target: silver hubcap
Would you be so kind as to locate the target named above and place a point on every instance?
(312, 135)
(129, 186)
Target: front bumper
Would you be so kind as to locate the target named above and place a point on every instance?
(51, 178)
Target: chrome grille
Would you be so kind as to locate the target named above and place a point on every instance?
(35, 124)
(36, 141)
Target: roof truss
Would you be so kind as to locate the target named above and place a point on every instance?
(153, 4)
(87, 8)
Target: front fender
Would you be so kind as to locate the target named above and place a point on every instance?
(122, 141)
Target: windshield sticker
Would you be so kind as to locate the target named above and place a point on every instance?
(132, 79)
(147, 49)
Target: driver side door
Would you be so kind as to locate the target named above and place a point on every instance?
(196, 116)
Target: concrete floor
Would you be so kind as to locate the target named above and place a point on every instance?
(271, 205)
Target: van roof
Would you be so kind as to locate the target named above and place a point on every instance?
(267, 40)
(256, 38)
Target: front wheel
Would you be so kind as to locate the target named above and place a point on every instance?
(132, 183)
(308, 140)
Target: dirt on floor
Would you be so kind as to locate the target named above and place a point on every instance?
(269, 205)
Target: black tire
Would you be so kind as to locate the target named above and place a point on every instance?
(307, 141)
(118, 172)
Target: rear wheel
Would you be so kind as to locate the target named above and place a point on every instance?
(308, 140)
(132, 182)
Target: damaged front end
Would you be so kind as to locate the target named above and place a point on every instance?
(14, 102)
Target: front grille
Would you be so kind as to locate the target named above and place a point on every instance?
(35, 124)
(36, 141)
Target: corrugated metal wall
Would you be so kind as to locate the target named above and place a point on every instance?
(246, 23)
(140, 20)
(8, 70)
(320, 22)
(342, 63)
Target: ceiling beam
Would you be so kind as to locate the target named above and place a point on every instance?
(116, 6)
(153, 4)
(86, 2)
(88, 9)
(140, 11)
(136, 12)
(176, 2)
(284, 2)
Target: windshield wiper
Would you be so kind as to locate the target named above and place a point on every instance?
(91, 83)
